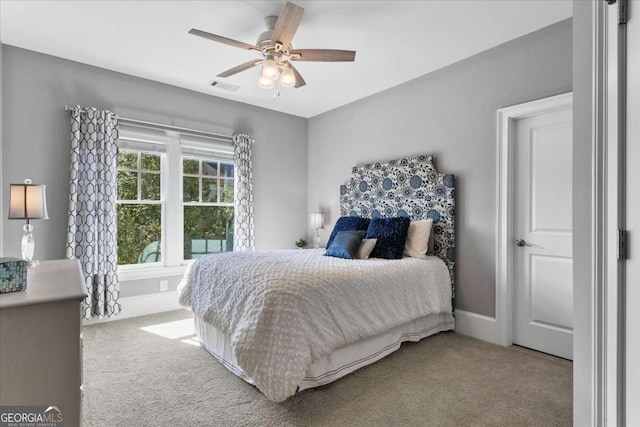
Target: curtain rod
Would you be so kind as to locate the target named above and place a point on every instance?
(163, 126)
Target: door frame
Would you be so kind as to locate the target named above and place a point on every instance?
(631, 317)
(505, 174)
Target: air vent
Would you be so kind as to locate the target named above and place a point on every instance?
(224, 86)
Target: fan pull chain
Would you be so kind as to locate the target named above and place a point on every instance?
(276, 89)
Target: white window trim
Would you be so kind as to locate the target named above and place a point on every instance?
(126, 274)
(173, 212)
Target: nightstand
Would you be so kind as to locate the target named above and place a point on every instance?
(40, 340)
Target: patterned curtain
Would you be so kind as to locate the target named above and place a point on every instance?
(91, 235)
(243, 227)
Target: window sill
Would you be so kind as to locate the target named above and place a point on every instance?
(152, 272)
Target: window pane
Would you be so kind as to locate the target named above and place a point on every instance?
(226, 193)
(127, 159)
(127, 186)
(209, 190)
(139, 233)
(150, 162)
(190, 166)
(190, 190)
(150, 186)
(207, 229)
(226, 170)
(210, 168)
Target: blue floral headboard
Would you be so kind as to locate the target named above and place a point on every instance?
(406, 187)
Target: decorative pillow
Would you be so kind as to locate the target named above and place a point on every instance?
(391, 234)
(417, 244)
(346, 244)
(346, 223)
(366, 246)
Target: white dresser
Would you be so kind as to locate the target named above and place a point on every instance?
(40, 342)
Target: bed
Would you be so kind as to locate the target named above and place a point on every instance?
(286, 321)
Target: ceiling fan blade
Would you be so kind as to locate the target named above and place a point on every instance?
(224, 40)
(239, 68)
(287, 25)
(322, 55)
(299, 80)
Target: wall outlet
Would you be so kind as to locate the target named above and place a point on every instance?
(164, 285)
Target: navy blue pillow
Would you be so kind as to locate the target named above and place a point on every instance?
(391, 234)
(346, 244)
(347, 223)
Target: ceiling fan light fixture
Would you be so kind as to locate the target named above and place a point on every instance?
(264, 82)
(287, 78)
(270, 69)
(275, 48)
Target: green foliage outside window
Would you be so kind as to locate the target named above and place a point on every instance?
(139, 224)
(127, 160)
(191, 166)
(207, 228)
(127, 185)
(207, 189)
(139, 233)
(150, 162)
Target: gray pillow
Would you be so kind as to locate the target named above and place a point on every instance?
(366, 247)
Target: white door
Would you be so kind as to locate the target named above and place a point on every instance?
(542, 248)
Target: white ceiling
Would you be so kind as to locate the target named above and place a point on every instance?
(396, 41)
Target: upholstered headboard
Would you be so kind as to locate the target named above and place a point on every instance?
(406, 187)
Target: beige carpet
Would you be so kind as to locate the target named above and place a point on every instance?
(157, 377)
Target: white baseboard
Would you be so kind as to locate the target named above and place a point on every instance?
(142, 305)
(476, 326)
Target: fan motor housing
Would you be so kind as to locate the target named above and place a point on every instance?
(264, 39)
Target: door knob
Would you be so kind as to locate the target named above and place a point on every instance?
(521, 243)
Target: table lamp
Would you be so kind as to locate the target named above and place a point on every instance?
(317, 222)
(28, 201)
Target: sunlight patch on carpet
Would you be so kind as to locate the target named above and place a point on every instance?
(191, 341)
(179, 329)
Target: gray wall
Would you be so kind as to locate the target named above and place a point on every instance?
(36, 88)
(450, 113)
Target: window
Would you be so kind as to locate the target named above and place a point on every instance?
(139, 208)
(175, 197)
(207, 192)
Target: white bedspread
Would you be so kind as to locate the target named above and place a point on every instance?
(285, 309)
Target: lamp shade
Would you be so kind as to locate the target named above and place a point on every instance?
(270, 69)
(28, 201)
(265, 83)
(287, 78)
(317, 220)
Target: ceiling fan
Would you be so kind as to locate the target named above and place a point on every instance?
(274, 45)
